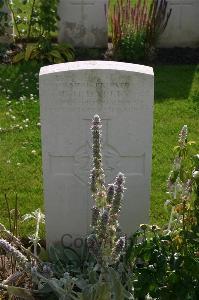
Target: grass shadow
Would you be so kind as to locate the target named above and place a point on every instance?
(175, 82)
(19, 80)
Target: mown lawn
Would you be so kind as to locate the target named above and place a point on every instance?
(20, 144)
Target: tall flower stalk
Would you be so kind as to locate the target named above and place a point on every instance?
(17, 243)
(16, 254)
(97, 173)
(180, 186)
(105, 242)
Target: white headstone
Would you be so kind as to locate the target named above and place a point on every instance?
(70, 94)
(183, 26)
(83, 23)
(8, 36)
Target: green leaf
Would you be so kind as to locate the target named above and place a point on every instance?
(92, 277)
(72, 255)
(18, 57)
(176, 148)
(55, 53)
(20, 292)
(55, 254)
(27, 217)
(191, 143)
(29, 51)
(58, 60)
(53, 283)
(116, 286)
(102, 291)
(81, 284)
(118, 291)
(43, 255)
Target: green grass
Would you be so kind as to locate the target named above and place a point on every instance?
(173, 109)
(20, 149)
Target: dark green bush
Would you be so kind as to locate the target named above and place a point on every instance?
(135, 28)
(132, 47)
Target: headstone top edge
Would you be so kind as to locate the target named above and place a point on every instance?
(181, 2)
(96, 65)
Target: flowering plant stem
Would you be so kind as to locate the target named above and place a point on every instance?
(105, 243)
(36, 239)
(17, 243)
(30, 20)
(13, 17)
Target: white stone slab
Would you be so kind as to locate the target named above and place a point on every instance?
(83, 23)
(183, 26)
(8, 36)
(70, 94)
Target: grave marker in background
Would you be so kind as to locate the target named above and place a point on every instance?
(183, 26)
(8, 36)
(70, 95)
(83, 23)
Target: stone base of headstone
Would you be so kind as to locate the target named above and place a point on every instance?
(183, 26)
(83, 23)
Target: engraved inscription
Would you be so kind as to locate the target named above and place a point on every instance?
(180, 3)
(82, 2)
(77, 96)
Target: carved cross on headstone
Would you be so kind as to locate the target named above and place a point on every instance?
(83, 23)
(83, 4)
(80, 164)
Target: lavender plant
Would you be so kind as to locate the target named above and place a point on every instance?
(12, 251)
(106, 242)
(182, 186)
(164, 259)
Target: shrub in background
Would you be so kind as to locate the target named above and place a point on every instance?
(35, 21)
(45, 51)
(135, 28)
(33, 18)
